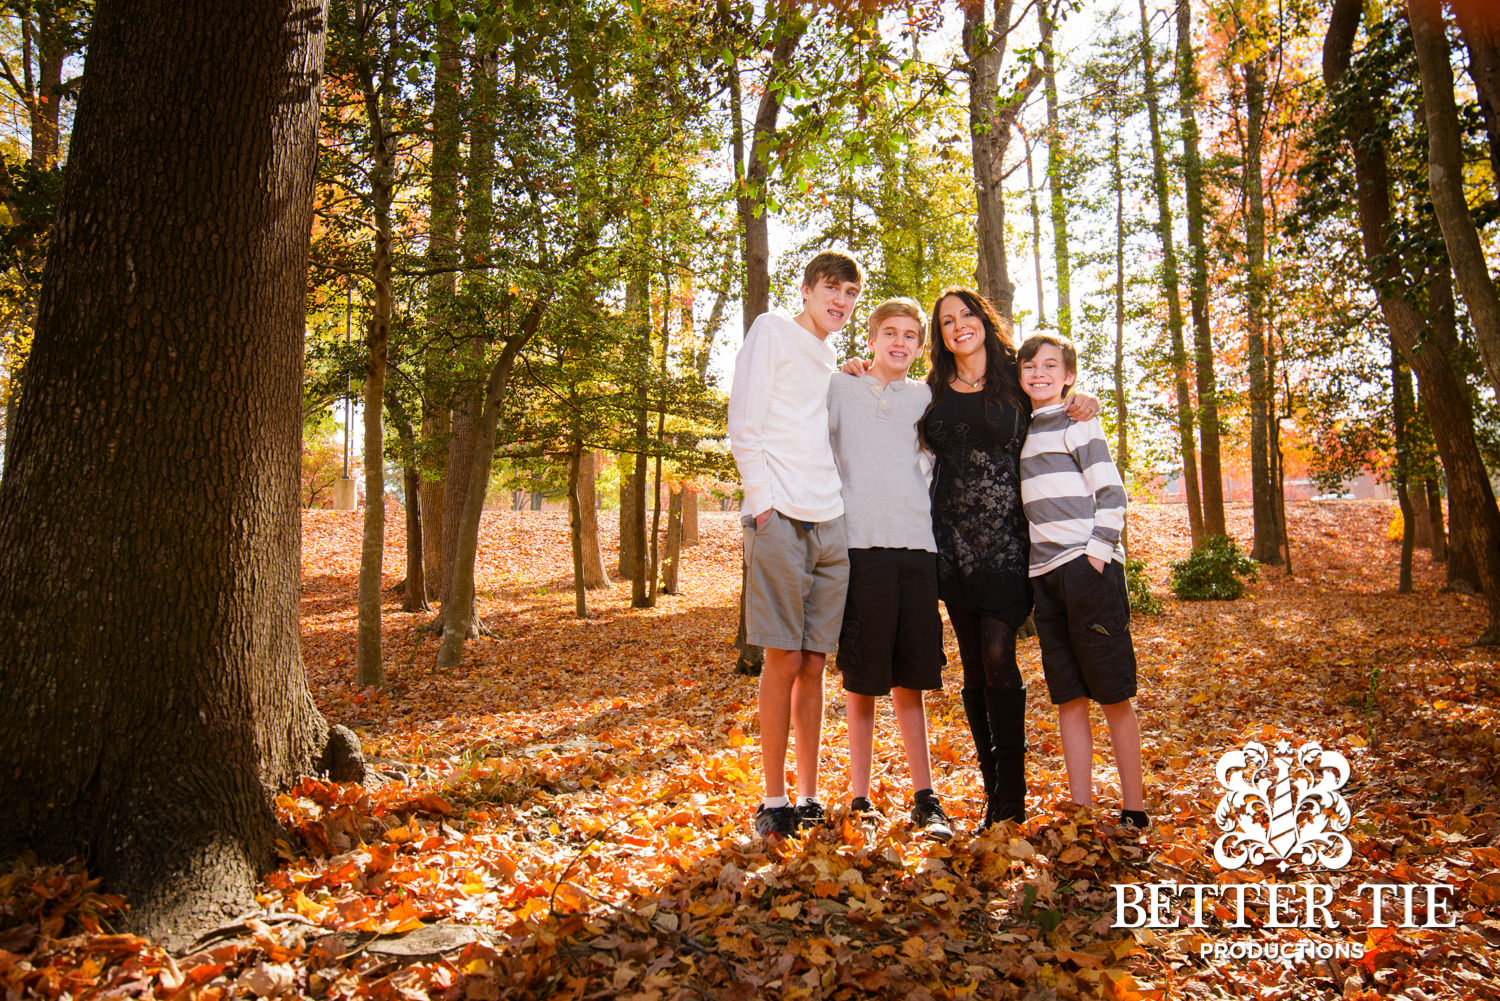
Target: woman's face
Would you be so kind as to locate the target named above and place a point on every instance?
(962, 329)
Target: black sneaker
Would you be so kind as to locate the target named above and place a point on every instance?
(810, 814)
(862, 811)
(927, 816)
(1135, 820)
(777, 821)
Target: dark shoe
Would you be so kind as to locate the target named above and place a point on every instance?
(810, 814)
(1134, 820)
(1006, 709)
(776, 822)
(928, 817)
(863, 810)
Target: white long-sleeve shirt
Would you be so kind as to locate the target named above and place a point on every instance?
(778, 421)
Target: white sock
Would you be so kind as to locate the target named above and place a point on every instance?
(804, 800)
(772, 802)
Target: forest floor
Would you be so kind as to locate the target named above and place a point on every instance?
(569, 815)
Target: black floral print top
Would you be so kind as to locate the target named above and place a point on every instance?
(982, 539)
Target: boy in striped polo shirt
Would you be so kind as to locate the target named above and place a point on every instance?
(1075, 504)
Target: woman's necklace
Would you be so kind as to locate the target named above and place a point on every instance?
(966, 382)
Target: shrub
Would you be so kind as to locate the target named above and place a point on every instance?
(1141, 599)
(1212, 572)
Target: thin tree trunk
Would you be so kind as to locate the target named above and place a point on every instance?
(1400, 419)
(1266, 546)
(1203, 341)
(369, 670)
(1122, 437)
(414, 589)
(1474, 517)
(594, 576)
(1421, 517)
(673, 543)
(1435, 513)
(575, 530)
(1055, 177)
(1180, 374)
(154, 692)
(1445, 176)
(1036, 240)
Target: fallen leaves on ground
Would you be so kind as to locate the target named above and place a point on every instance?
(568, 815)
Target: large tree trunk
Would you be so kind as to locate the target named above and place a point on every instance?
(154, 692)
(442, 257)
(1474, 518)
(1266, 545)
(990, 124)
(1203, 341)
(1055, 179)
(1445, 176)
(1186, 445)
(594, 576)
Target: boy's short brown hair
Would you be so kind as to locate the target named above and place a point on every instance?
(1035, 342)
(833, 264)
(898, 307)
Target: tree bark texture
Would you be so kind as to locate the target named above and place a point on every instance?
(1122, 437)
(1186, 444)
(414, 588)
(1445, 166)
(689, 517)
(575, 531)
(153, 692)
(1203, 339)
(632, 524)
(1474, 519)
(990, 124)
(594, 576)
(442, 256)
(1266, 544)
(673, 553)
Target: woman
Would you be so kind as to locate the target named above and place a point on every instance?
(974, 427)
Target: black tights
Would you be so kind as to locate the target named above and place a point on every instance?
(987, 648)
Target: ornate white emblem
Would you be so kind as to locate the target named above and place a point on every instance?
(1284, 806)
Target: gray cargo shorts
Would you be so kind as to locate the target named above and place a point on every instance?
(796, 575)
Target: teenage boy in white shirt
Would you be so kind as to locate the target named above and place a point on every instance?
(796, 557)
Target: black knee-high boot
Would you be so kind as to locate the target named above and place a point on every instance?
(977, 712)
(1006, 708)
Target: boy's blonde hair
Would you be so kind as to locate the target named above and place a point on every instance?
(898, 307)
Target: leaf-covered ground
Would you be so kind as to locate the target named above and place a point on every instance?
(568, 816)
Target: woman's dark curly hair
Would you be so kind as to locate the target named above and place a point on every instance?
(1002, 378)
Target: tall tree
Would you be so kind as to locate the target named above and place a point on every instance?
(1445, 173)
(1477, 529)
(1203, 341)
(1170, 285)
(991, 121)
(1055, 179)
(1267, 544)
(152, 648)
